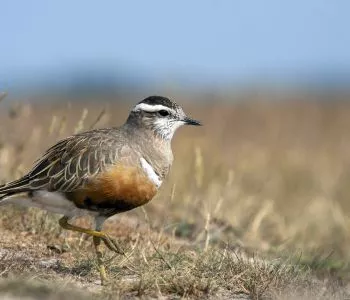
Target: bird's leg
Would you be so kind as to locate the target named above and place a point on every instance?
(104, 237)
(97, 236)
(100, 264)
(97, 244)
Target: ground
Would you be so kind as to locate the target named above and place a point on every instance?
(256, 207)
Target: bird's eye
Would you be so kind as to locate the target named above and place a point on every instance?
(163, 112)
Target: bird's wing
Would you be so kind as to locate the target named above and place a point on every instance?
(70, 163)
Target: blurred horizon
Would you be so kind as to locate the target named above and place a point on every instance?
(198, 45)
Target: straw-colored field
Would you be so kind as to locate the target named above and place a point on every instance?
(256, 206)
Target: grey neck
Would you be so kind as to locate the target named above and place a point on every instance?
(156, 150)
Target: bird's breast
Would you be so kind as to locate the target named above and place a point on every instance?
(121, 188)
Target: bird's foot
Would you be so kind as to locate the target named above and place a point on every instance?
(112, 245)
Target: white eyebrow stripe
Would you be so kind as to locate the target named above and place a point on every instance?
(150, 108)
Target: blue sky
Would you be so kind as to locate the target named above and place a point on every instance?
(214, 40)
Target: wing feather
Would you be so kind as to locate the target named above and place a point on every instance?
(71, 162)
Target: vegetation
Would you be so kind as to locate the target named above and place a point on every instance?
(256, 207)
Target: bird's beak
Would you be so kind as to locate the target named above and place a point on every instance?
(189, 121)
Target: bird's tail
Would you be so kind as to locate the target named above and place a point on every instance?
(12, 188)
(3, 197)
(6, 196)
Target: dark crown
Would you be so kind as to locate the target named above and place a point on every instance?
(159, 100)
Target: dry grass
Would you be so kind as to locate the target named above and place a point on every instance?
(256, 207)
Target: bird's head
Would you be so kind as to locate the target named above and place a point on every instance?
(161, 115)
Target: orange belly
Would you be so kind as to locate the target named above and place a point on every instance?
(122, 188)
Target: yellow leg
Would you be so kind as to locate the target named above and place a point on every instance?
(103, 236)
(97, 237)
(100, 264)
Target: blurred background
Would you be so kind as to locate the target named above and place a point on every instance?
(153, 47)
(269, 170)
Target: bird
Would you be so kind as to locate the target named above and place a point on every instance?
(103, 172)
